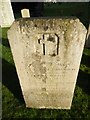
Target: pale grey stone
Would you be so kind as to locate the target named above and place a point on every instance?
(88, 38)
(47, 54)
(6, 13)
(25, 13)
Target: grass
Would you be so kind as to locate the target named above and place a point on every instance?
(13, 105)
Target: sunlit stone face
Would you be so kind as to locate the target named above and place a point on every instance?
(47, 54)
(6, 13)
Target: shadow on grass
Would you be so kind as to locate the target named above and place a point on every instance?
(5, 42)
(10, 80)
(86, 60)
(83, 80)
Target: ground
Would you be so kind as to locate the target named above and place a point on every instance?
(13, 105)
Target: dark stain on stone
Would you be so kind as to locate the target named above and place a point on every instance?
(36, 57)
(44, 80)
(43, 89)
(51, 39)
(39, 41)
(45, 28)
(53, 55)
(35, 25)
(39, 70)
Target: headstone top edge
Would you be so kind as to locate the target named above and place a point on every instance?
(42, 22)
(33, 19)
(47, 18)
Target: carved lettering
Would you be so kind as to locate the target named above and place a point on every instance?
(50, 43)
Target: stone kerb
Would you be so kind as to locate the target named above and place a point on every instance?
(47, 54)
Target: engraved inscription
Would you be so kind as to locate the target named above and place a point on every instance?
(49, 43)
(37, 68)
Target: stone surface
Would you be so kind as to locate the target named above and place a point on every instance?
(6, 15)
(47, 54)
(88, 38)
(25, 13)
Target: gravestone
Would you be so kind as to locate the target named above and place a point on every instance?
(25, 13)
(47, 54)
(6, 15)
(88, 38)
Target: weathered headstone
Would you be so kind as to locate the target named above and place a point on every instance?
(47, 54)
(88, 38)
(25, 13)
(6, 16)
